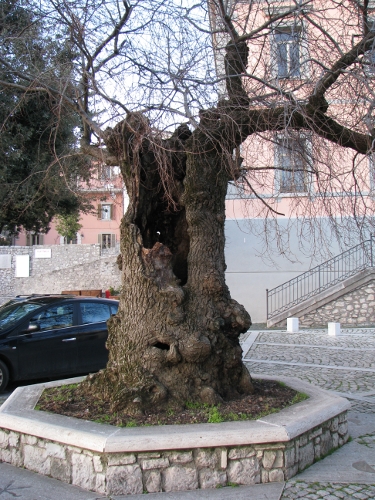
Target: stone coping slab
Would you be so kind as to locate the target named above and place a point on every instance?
(18, 414)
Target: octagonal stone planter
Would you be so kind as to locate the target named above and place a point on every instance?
(120, 461)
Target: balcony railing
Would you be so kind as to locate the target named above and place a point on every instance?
(319, 278)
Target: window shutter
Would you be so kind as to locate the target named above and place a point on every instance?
(112, 212)
(41, 239)
(294, 58)
(28, 239)
(99, 211)
(274, 56)
(100, 239)
(113, 240)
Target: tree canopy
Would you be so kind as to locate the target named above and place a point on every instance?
(40, 161)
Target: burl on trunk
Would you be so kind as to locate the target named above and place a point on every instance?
(175, 337)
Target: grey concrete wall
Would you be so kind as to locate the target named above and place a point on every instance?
(71, 267)
(250, 270)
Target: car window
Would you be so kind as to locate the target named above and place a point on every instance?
(11, 313)
(92, 312)
(60, 316)
(114, 308)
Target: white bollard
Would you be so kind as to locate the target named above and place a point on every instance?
(334, 329)
(292, 325)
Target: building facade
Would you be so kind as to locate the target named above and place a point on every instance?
(300, 199)
(101, 225)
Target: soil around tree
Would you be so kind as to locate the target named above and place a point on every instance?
(269, 397)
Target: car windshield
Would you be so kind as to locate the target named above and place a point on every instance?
(9, 314)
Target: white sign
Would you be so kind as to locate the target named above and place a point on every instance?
(22, 266)
(6, 261)
(43, 253)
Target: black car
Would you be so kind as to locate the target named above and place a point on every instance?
(51, 336)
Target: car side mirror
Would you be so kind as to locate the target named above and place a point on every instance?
(33, 327)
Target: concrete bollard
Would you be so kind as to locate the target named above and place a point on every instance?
(334, 329)
(292, 325)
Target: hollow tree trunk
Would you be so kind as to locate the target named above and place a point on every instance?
(175, 337)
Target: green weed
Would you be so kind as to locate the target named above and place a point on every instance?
(299, 397)
(214, 416)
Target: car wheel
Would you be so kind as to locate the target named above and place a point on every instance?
(4, 376)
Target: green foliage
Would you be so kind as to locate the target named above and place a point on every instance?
(113, 291)
(68, 225)
(214, 416)
(104, 419)
(5, 241)
(40, 159)
(195, 405)
(300, 396)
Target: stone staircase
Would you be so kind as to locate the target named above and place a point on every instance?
(339, 290)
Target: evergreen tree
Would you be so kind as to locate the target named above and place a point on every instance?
(40, 164)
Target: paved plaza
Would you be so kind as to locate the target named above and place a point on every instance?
(344, 365)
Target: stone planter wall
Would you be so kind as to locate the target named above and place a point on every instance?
(187, 469)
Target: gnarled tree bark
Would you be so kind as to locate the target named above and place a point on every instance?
(175, 337)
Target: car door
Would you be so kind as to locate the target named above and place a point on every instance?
(50, 350)
(92, 334)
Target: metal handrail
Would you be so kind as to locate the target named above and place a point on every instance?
(319, 278)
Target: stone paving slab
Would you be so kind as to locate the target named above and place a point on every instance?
(270, 491)
(354, 463)
(361, 424)
(26, 485)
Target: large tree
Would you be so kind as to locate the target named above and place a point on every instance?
(175, 337)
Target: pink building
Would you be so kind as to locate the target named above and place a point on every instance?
(304, 197)
(108, 196)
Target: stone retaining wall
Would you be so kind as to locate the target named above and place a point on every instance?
(71, 267)
(356, 308)
(134, 473)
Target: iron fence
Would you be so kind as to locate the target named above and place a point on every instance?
(320, 278)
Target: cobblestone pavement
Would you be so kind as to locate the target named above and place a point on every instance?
(328, 491)
(344, 364)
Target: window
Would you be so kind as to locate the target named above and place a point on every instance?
(369, 56)
(13, 312)
(60, 316)
(105, 173)
(289, 52)
(107, 240)
(292, 163)
(94, 313)
(371, 160)
(34, 239)
(106, 211)
(70, 241)
(288, 57)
